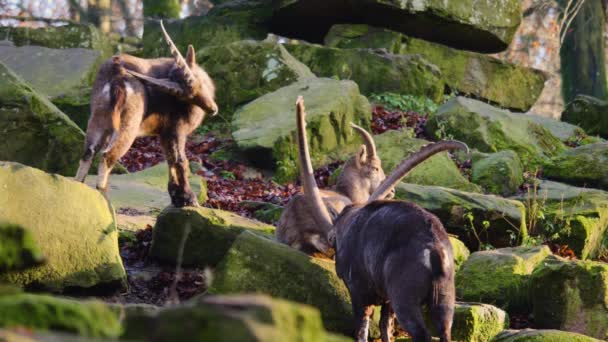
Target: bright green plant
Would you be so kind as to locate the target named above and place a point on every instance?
(403, 102)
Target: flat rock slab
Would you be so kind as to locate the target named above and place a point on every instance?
(585, 165)
(547, 335)
(72, 224)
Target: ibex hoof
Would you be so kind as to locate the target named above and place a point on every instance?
(184, 200)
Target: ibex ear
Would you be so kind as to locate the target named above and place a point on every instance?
(190, 56)
(361, 157)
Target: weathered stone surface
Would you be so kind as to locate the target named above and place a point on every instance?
(588, 112)
(500, 277)
(496, 220)
(65, 76)
(577, 217)
(263, 67)
(484, 26)
(490, 129)
(373, 71)
(209, 234)
(478, 322)
(231, 318)
(585, 165)
(562, 130)
(17, 248)
(500, 173)
(395, 146)
(42, 312)
(474, 74)
(71, 223)
(33, 130)
(461, 252)
(261, 265)
(265, 128)
(572, 296)
(531, 335)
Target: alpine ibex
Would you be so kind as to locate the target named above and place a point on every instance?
(389, 253)
(132, 97)
(360, 176)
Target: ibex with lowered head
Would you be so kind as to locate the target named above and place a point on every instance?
(360, 176)
(131, 97)
(389, 253)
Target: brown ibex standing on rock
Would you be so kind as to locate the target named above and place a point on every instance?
(133, 97)
(360, 176)
(389, 253)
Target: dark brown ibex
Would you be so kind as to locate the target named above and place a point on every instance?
(360, 176)
(132, 97)
(389, 253)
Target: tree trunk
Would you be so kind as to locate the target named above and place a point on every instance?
(583, 66)
(99, 12)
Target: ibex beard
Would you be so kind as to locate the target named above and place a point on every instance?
(131, 97)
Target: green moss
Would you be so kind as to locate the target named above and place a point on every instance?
(210, 234)
(162, 8)
(461, 252)
(584, 165)
(500, 277)
(589, 113)
(477, 322)
(42, 312)
(500, 173)
(530, 335)
(17, 248)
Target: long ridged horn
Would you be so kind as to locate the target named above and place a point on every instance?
(162, 84)
(311, 191)
(407, 165)
(368, 140)
(189, 78)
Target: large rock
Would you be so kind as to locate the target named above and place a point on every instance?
(531, 335)
(500, 277)
(485, 26)
(263, 67)
(43, 312)
(490, 129)
(72, 224)
(573, 216)
(588, 112)
(476, 219)
(474, 74)
(585, 165)
(499, 173)
(17, 248)
(395, 146)
(209, 234)
(562, 130)
(572, 296)
(64, 75)
(265, 128)
(461, 252)
(373, 71)
(231, 318)
(261, 265)
(33, 130)
(478, 322)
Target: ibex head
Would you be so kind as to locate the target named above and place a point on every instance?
(363, 173)
(187, 81)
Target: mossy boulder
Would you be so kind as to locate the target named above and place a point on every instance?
(500, 277)
(33, 130)
(17, 248)
(478, 322)
(474, 74)
(374, 71)
(577, 217)
(476, 219)
(263, 67)
(71, 223)
(461, 252)
(65, 76)
(585, 165)
(562, 130)
(395, 146)
(588, 112)
(230, 318)
(572, 296)
(265, 128)
(88, 318)
(261, 265)
(209, 234)
(499, 173)
(532, 335)
(489, 129)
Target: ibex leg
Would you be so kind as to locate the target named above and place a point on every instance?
(174, 147)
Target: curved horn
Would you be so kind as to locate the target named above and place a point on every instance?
(179, 59)
(402, 170)
(311, 192)
(162, 84)
(367, 139)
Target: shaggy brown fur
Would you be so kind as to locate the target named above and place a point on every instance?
(132, 97)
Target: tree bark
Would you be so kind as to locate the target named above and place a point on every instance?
(99, 12)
